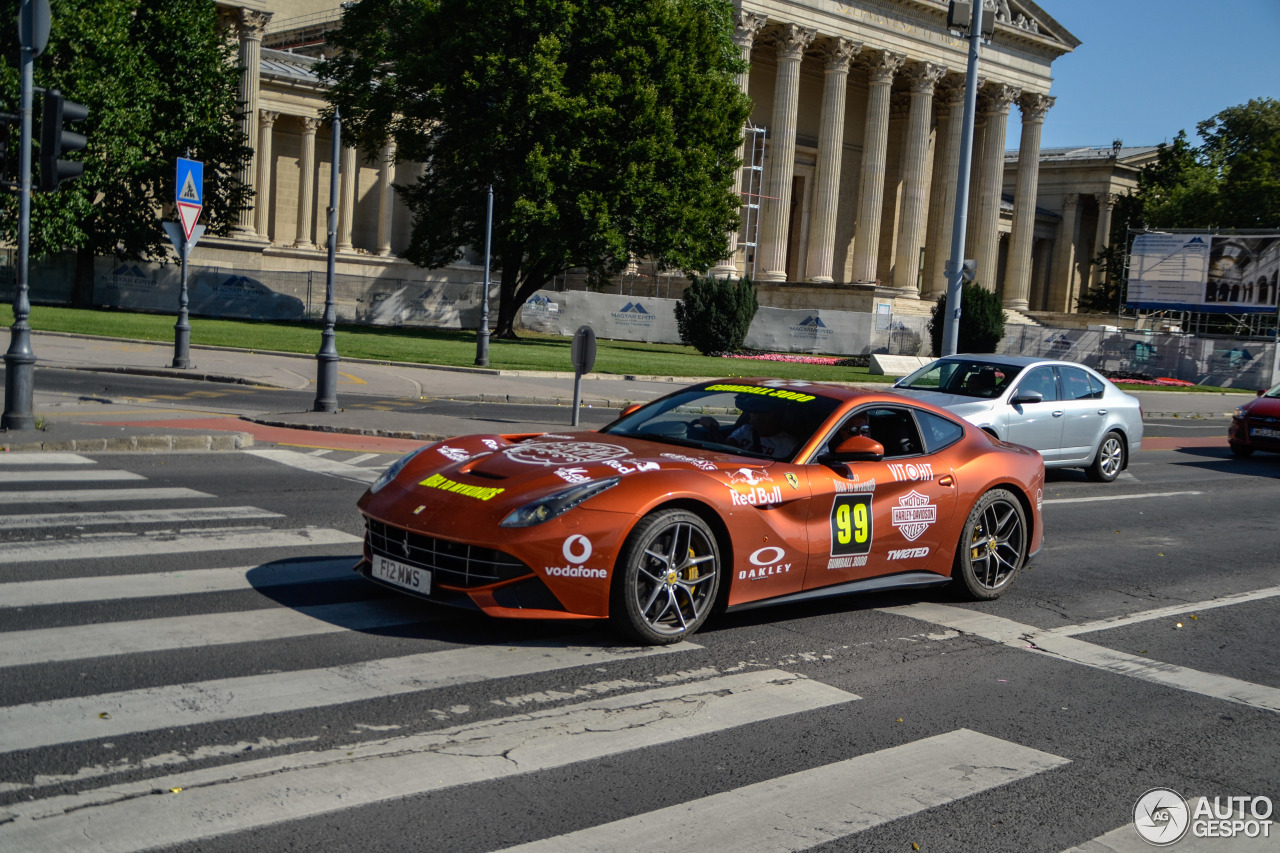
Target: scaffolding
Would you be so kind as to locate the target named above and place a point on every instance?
(752, 193)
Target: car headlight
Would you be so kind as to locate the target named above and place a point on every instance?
(1241, 412)
(557, 504)
(393, 469)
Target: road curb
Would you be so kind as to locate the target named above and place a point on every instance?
(134, 443)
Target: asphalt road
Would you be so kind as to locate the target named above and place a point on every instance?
(187, 663)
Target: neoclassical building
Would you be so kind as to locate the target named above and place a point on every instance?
(850, 155)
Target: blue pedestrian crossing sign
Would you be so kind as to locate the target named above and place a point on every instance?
(190, 198)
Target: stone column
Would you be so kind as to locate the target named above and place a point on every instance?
(826, 198)
(874, 153)
(747, 26)
(306, 183)
(346, 197)
(1017, 289)
(262, 201)
(1062, 281)
(386, 196)
(1102, 238)
(250, 25)
(942, 195)
(923, 78)
(780, 166)
(975, 178)
(986, 249)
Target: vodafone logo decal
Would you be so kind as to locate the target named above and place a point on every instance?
(577, 549)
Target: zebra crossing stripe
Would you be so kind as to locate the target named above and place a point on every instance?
(15, 459)
(803, 810)
(150, 516)
(103, 475)
(158, 584)
(316, 464)
(363, 457)
(82, 642)
(79, 496)
(58, 721)
(247, 795)
(143, 545)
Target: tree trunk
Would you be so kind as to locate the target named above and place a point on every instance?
(82, 287)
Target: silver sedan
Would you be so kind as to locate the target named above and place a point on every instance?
(1072, 415)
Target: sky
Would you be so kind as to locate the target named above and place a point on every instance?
(1146, 69)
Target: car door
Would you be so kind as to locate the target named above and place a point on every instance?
(876, 518)
(1038, 425)
(1084, 416)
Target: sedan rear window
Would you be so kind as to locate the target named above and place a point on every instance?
(965, 378)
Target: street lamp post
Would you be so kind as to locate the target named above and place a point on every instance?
(19, 360)
(327, 359)
(482, 334)
(955, 266)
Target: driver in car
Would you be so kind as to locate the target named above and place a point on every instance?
(762, 432)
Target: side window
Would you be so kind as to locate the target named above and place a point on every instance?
(1040, 379)
(1076, 384)
(1098, 388)
(896, 430)
(938, 432)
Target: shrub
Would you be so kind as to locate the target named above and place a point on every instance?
(715, 313)
(981, 320)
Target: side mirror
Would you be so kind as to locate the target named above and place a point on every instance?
(857, 448)
(634, 407)
(1024, 397)
(1261, 391)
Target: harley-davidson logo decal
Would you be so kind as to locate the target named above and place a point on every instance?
(913, 515)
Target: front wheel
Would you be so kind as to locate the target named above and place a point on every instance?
(666, 581)
(1109, 461)
(993, 546)
(1240, 450)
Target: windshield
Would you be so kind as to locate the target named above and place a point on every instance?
(963, 377)
(1274, 392)
(769, 422)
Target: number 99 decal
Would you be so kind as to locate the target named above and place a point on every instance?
(851, 526)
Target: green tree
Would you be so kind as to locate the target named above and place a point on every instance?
(716, 313)
(981, 320)
(159, 80)
(609, 130)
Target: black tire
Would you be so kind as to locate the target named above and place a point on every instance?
(1110, 460)
(666, 580)
(1240, 450)
(993, 547)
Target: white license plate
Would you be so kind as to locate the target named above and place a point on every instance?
(1264, 432)
(409, 577)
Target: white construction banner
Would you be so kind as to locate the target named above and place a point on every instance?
(1220, 273)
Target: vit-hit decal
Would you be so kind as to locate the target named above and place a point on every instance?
(453, 454)
(911, 472)
(851, 524)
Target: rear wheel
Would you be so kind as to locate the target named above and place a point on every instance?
(1240, 450)
(666, 580)
(993, 546)
(1109, 461)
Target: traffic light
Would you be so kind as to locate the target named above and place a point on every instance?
(54, 140)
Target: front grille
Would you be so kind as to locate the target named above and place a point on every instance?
(453, 563)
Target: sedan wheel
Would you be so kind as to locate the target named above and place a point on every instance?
(1110, 459)
(666, 580)
(1240, 450)
(993, 546)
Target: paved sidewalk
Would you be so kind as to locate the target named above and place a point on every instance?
(94, 424)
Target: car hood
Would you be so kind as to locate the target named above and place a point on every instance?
(1263, 407)
(965, 407)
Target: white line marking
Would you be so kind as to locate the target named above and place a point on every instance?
(314, 464)
(151, 585)
(1165, 612)
(77, 496)
(803, 810)
(323, 451)
(220, 800)
(83, 642)
(68, 720)
(363, 457)
(1054, 644)
(96, 475)
(7, 459)
(1119, 497)
(150, 516)
(105, 547)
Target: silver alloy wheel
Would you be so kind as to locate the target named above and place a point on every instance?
(1112, 455)
(674, 584)
(996, 546)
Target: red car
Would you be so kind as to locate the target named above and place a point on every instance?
(726, 495)
(1256, 424)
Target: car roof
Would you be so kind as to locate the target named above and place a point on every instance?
(1011, 360)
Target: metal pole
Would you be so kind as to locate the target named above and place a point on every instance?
(182, 328)
(482, 334)
(951, 328)
(20, 361)
(327, 358)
